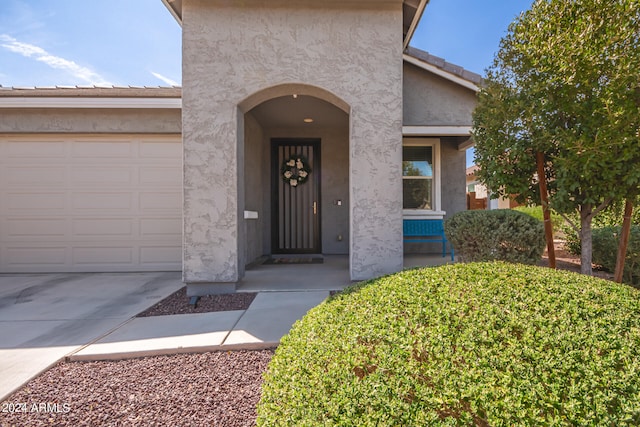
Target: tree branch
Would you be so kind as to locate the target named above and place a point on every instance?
(602, 206)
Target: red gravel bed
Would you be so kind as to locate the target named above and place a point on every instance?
(178, 303)
(208, 389)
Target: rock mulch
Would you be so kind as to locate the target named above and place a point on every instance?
(178, 303)
(209, 389)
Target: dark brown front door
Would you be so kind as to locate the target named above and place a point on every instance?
(295, 196)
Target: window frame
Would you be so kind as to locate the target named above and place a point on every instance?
(434, 143)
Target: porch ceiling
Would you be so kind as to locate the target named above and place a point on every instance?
(411, 14)
(290, 112)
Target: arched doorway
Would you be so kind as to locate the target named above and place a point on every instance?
(307, 214)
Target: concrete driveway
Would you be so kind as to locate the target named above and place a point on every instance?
(47, 316)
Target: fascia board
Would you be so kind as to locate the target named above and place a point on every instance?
(440, 72)
(436, 130)
(93, 102)
(414, 23)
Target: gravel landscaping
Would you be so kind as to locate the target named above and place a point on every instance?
(178, 303)
(209, 389)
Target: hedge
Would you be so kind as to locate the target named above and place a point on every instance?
(496, 235)
(488, 344)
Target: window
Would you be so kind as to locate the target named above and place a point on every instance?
(420, 175)
(417, 177)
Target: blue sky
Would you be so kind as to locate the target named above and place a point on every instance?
(137, 42)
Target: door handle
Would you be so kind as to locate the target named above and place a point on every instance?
(315, 208)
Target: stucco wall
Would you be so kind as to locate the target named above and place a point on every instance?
(334, 185)
(255, 191)
(72, 120)
(232, 50)
(454, 195)
(430, 100)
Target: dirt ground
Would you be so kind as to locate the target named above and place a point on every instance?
(567, 261)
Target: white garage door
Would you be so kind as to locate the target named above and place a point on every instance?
(90, 204)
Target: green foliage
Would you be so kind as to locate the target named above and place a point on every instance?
(466, 344)
(502, 235)
(564, 83)
(610, 217)
(605, 249)
(536, 211)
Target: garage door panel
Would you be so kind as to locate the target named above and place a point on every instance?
(37, 203)
(161, 227)
(160, 176)
(159, 255)
(101, 176)
(161, 150)
(34, 228)
(38, 176)
(49, 150)
(94, 203)
(102, 150)
(103, 227)
(154, 201)
(19, 258)
(103, 255)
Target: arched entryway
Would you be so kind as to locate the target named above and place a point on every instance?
(310, 214)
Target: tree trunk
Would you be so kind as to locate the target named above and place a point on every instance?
(586, 241)
(544, 197)
(624, 241)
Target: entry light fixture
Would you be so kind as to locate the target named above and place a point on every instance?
(295, 96)
(308, 120)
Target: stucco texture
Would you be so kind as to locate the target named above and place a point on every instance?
(234, 50)
(432, 100)
(75, 120)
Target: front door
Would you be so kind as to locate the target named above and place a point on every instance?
(295, 196)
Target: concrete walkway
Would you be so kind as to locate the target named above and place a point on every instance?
(49, 317)
(45, 317)
(262, 325)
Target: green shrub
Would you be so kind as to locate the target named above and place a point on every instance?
(536, 211)
(610, 217)
(466, 344)
(605, 251)
(503, 235)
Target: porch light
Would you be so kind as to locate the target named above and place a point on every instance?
(295, 96)
(308, 120)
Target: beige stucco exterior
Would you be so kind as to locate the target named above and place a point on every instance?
(347, 54)
(102, 121)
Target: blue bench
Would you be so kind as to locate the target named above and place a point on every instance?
(425, 230)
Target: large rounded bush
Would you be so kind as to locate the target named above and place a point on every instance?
(468, 344)
(497, 235)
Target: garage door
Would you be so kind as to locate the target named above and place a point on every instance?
(90, 204)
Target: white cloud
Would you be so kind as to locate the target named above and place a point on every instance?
(39, 54)
(167, 80)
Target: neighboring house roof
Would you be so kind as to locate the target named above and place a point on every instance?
(411, 14)
(447, 70)
(90, 97)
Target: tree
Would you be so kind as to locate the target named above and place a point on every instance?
(565, 82)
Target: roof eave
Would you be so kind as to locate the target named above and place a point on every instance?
(90, 102)
(440, 72)
(175, 8)
(414, 21)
